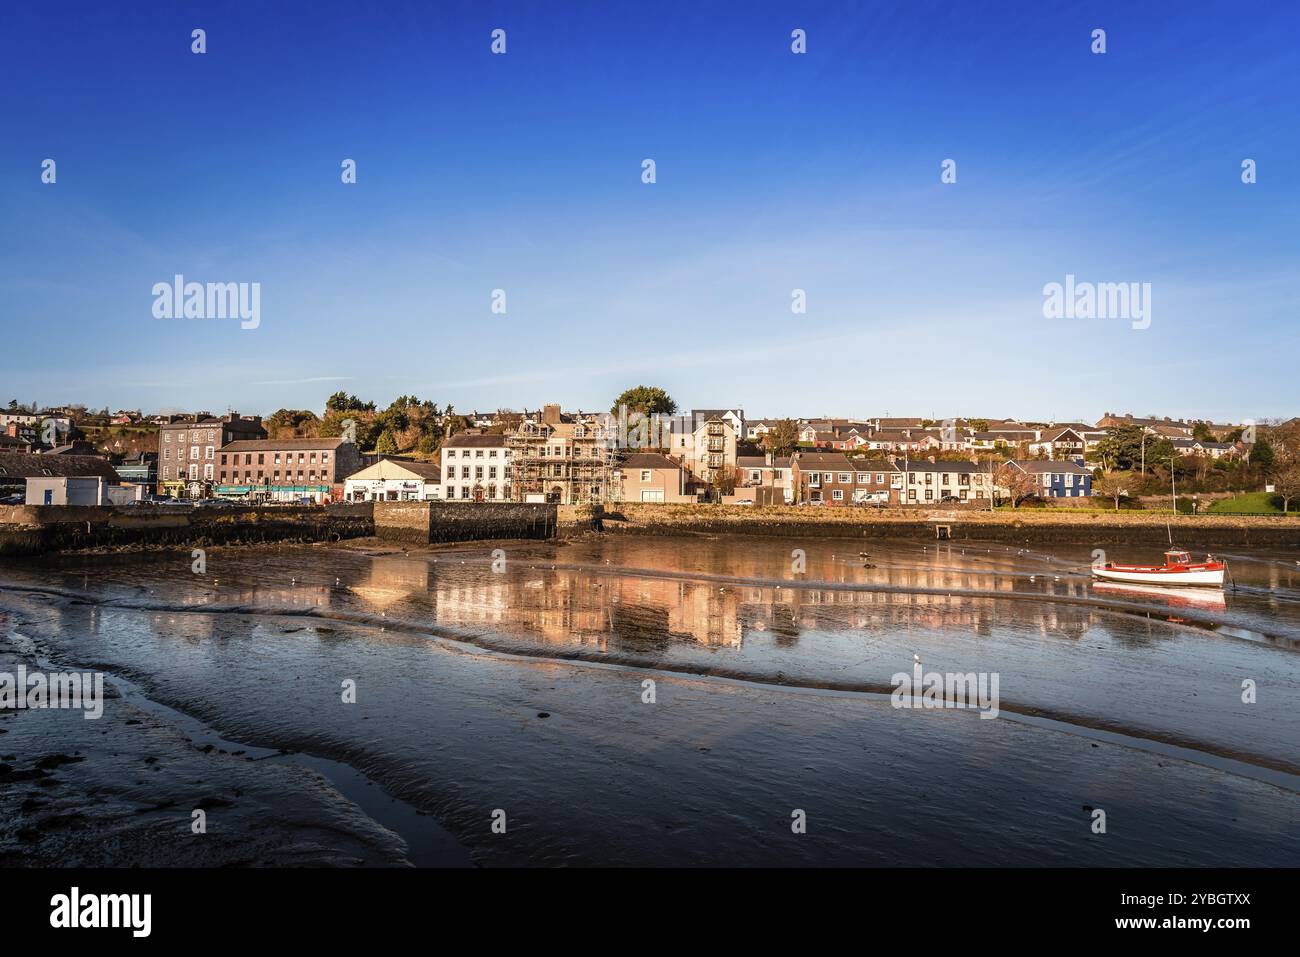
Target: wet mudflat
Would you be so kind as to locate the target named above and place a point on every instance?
(515, 683)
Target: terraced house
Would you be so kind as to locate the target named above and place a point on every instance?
(1058, 479)
(286, 470)
(832, 478)
(938, 482)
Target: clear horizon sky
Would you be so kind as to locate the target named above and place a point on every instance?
(775, 172)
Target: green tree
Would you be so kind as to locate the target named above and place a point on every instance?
(292, 423)
(1159, 452)
(783, 437)
(1121, 449)
(1261, 454)
(386, 444)
(342, 402)
(453, 422)
(647, 399)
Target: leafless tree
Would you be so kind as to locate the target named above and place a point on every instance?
(1017, 483)
(1113, 485)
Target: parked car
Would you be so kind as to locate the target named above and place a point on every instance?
(16, 499)
(877, 499)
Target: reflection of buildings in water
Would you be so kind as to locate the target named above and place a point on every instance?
(196, 624)
(392, 580)
(564, 606)
(836, 610)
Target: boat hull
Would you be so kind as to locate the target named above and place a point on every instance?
(1206, 577)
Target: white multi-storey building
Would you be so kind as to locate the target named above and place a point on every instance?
(476, 468)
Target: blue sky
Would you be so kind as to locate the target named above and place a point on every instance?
(775, 171)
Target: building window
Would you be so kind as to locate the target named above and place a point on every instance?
(837, 494)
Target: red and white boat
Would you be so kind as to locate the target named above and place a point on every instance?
(1178, 569)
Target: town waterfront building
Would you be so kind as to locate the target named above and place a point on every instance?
(564, 459)
(187, 450)
(394, 480)
(286, 470)
(476, 467)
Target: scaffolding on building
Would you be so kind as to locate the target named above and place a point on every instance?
(566, 463)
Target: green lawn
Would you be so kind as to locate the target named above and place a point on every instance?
(1247, 502)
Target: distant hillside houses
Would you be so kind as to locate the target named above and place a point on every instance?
(576, 457)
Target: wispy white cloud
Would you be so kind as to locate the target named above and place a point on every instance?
(308, 380)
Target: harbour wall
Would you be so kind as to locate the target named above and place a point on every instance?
(1021, 527)
(427, 523)
(30, 530)
(33, 529)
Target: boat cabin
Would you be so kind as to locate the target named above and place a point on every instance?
(1178, 557)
